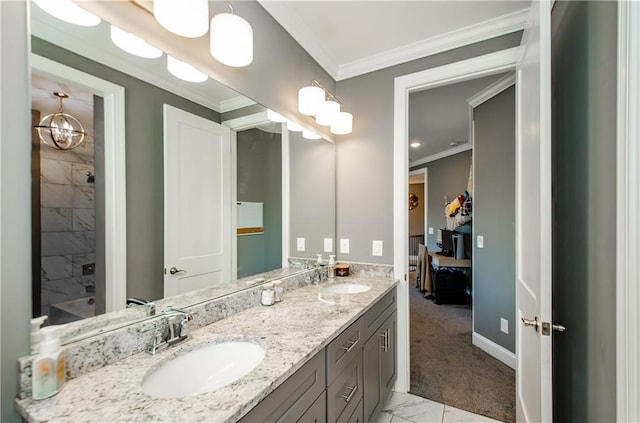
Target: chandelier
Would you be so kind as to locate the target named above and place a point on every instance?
(60, 130)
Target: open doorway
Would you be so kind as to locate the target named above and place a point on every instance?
(447, 364)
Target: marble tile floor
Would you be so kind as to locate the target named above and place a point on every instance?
(408, 408)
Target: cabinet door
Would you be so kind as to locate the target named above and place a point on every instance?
(388, 356)
(371, 367)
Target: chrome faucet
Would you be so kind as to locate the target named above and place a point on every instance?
(172, 330)
(150, 307)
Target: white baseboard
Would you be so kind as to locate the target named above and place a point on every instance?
(494, 350)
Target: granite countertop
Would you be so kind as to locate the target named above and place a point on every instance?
(291, 332)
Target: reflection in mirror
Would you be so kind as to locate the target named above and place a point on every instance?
(64, 271)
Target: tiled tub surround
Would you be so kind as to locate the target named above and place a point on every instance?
(291, 332)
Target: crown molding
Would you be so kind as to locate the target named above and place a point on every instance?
(479, 32)
(235, 103)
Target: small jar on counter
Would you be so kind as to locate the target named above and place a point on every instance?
(268, 296)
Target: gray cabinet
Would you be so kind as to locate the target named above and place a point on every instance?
(291, 400)
(347, 382)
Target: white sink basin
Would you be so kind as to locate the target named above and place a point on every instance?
(203, 370)
(347, 288)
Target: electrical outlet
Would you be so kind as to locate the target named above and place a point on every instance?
(430, 231)
(376, 248)
(480, 241)
(328, 245)
(300, 244)
(344, 245)
(504, 325)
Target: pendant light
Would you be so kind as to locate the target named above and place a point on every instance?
(61, 130)
(309, 100)
(342, 123)
(187, 18)
(327, 111)
(231, 41)
(68, 11)
(184, 71)
(133, 44)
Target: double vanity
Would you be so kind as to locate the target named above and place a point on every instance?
(325, 353)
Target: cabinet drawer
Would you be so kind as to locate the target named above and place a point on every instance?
(344, 394)
(357, 416)
(292, 399)
(341, 350)
(317, 413)
(374, 318)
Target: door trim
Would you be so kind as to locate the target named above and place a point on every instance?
(489, 64)
(115, 172)
(628, 214)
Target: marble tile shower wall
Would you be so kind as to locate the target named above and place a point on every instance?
(67, 206)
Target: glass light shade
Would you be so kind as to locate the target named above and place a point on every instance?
(187, 18)
(309, 100)
(342, 123)
(327, 112)
(68, 11)
(310, 135)
(292, 126)
(184, 71)
(61, 131)
(133, 45)
(231, 40)
(275, 117)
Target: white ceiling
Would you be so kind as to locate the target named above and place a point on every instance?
(350, 38)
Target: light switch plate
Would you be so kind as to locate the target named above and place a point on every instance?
(344, 245)
(430, 231)
(328, 245)
(480, 241)
(300, 244)
(504, 325)
(376, 248)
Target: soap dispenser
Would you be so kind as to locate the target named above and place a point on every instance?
(49, 365)
(331, 266)
(36, 335)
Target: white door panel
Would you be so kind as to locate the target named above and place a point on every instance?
(533, 221)
(197, 202)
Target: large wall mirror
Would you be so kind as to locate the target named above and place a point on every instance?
(100, 210)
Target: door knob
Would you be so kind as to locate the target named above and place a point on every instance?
(173, 271)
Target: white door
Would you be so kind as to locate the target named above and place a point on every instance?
(533, 219)
(197, 202)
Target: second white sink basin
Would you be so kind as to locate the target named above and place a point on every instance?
(347, 288)
(203, 370)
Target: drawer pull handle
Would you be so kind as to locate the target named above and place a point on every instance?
(385, 340)
(351, 345)
(348, 397)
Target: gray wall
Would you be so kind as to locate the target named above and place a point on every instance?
(494, 214)
(15, 203)
(584, 122)
(312, 192)
(447, 177)
(365, 157)
(416, 215)
(260, 180)
(144, 120)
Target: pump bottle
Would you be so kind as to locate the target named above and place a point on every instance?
(49, 365)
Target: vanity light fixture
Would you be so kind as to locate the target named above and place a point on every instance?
(310, 135)
(133, 44)
(315, 100)
(187, 18)
(184, 71)
(61, 130)
(68, 11)
(275, 117)
(231, 41)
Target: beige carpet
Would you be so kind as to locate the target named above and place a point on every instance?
(447, 368)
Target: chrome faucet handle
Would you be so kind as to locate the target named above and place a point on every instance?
(149, 305)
